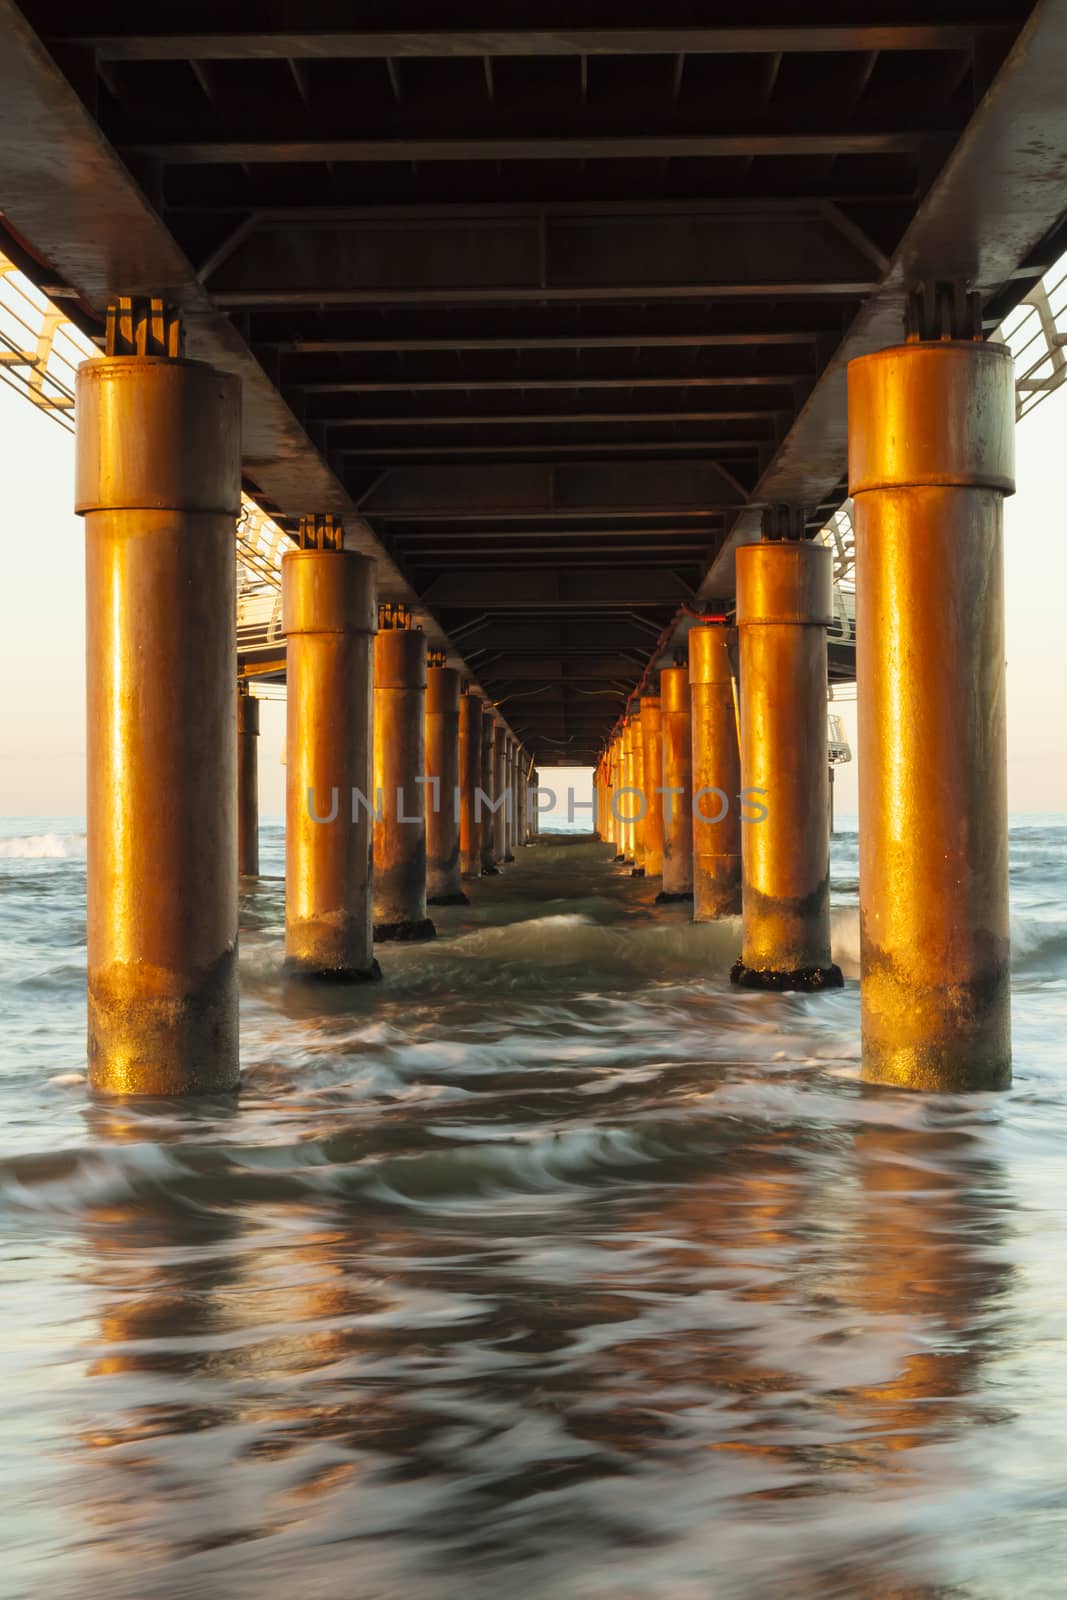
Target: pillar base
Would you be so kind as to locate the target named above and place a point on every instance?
(805, 979)
(930, 1069)
(490, 872)
(448, 900)
(331, 975)
(637, 872)
(404, 932)
(665, 899)
(619, 859)
(180, 1041)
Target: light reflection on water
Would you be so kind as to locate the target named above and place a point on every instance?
(551, 1266)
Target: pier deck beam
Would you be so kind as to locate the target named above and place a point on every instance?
(399, 761)
(783, 608)
(677, 740)
(329, 614)
(158, 482)
(931, 427)
(716, 775)
(443, 869)
(247, 784)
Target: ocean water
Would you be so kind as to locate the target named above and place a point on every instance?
(551, 1266)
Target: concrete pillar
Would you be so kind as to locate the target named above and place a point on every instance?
(158, 481)
(628, 800)
(443, 871)
(520, 762)
(512, 781)
(470, 777)
(653, 764)
(617, 803)
(501, 796)
(783, 608)
(602, 795)
(639, 800)
(247, 784)
(522, 795)
(931, 457)
(329, 613)
(677, 777)
(490, 734)
(716, 775)
(535, 816)
(399, 762)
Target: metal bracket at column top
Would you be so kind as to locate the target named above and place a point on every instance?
(141, 325)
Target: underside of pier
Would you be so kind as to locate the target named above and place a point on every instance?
(546, 302)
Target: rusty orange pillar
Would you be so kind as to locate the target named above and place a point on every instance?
(535, 814)
(329, 612)
(617, 781)
(627, 800)
(509, 787)
(716, 771)
(443, 871)
(605, 816)
(500, 795)
(639, 799)
(470, 777)
(676, 735)
(484, 798)
(158, 481)
(247, 784)
(783, 608)
(399, 774)
(931, 458)
(522, 795)
(653, 766)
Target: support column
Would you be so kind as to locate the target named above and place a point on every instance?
(247, 783)
(517, 788)
(399, 762)
(617, 804)
(640, 799)
(716, 772)
(158, 480)
(608, 829)
(443, 871)
(931, 457)
(678, 785)
(509, 819)
(535, 815)
(601, 795)
(522, 795)
(490, 735)
(784, 604)
(470, 777)
(651, 724)
(627, 798)
(329, 612)
(500, 794)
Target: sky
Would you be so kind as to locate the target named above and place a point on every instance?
(42, 627)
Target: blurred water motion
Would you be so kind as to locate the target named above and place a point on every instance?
(550, 1266)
